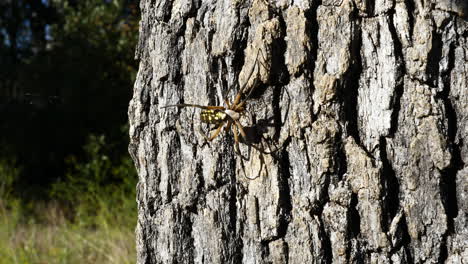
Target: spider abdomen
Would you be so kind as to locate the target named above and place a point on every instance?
(212, 116)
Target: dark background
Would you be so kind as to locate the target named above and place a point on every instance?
(66, 74)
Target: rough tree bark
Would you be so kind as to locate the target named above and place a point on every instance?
(365, 102)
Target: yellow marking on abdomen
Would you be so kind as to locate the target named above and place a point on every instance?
(212, 116)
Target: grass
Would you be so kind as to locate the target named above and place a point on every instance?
(86, 216)
(47, 236)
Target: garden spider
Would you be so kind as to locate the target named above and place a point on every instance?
(227, 117)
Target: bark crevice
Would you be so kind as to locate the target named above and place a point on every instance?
(390, 188)
(448, 187)
(350, 94)
(401, 72)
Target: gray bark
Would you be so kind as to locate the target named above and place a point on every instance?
(366, 103)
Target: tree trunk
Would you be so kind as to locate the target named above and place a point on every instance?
(356, 121)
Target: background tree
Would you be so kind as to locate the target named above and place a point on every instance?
(367, 102)
(66, 72)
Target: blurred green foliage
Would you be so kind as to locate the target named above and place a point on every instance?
(10, 172)
(67, 69)
(90, 218)
(99, 185)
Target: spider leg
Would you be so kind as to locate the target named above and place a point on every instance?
(241, 90)
(235, 132)
(244, 136)
(236, 128)
(245, 174)
(216, 133)
(263, 56)
(251, 117)
(227, 103)
(209, 107)
(236, 140)
(261, 150)
(237, 102)
(262, 161)
(241, 130)
(228, 125)
(269, 147)
(236, 146)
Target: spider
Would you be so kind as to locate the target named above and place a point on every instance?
(227, 117)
